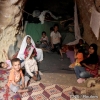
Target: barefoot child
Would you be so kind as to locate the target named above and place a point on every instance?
(16, 80)
(31, 68)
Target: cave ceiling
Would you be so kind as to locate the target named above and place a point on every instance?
(57, 7)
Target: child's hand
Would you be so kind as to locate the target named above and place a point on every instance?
(35, 78)
(22, 86)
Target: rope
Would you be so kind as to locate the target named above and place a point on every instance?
(45, 20)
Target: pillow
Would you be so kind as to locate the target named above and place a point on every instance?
(70, 55)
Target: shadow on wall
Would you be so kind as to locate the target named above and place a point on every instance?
(13, 49)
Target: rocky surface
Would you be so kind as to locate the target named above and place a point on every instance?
(84, 7)
(10, 19)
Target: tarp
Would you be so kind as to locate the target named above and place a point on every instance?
(76, 27)
(35, 30)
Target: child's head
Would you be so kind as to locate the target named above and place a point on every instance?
(16, 64)
(43, 33)
(78, 49)
(33, 54)
(81, 41)
(56, 27)
(3, 65)
(28, 40)
(93, 48)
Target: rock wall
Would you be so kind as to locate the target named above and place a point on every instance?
(10, 19)
(84, 7)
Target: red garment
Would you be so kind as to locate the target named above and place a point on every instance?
(93, 72)
(26, 52)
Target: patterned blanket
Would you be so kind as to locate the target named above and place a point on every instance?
(41, 91)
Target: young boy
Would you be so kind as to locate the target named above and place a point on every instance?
(56, 40)
(44, 40)
(16, 80)
(31, 68)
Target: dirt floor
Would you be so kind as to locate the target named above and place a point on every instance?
(56, 71)
(60, 78)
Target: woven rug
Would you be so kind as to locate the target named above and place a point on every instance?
(41, 91)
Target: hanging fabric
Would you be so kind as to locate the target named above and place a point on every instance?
(76, 27)
(95, 22)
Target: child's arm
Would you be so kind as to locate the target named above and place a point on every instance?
(90, 67)
(23, 83)
(6, 56)
(23, 80)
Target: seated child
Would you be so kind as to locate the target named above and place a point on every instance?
(16, 81)
(78, 55)
(44, 40)
(7, 63)
(31, 68)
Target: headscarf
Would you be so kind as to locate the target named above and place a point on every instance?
(94, 47)
(93, 58)
(23, 47)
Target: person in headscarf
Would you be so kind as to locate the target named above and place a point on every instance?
(31, 68)
(27, 43)
(89, 66)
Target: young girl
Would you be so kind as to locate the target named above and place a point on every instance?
(78, 57)
(31, 68)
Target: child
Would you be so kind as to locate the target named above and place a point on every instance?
(78, 56)
(7, 63)
(31, 68)
(44, 40)
(16, 78)
(56, 41)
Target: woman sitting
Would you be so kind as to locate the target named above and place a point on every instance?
(27, 43)
(89, 65)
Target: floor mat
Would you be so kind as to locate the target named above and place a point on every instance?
(41, 91)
